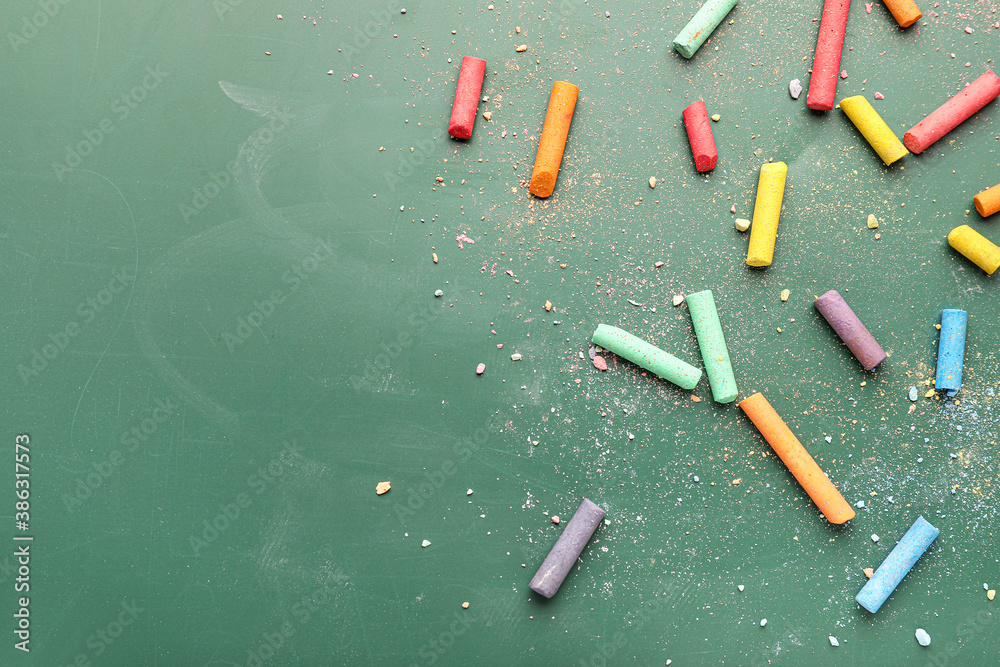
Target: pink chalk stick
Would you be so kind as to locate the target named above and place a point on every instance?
(826, 62)
(953, 113)
(470, 84)
(699, 131)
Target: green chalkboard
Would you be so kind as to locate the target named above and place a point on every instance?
(220, 332)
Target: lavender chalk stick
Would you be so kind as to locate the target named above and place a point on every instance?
(897, 564)
(568, 547)
(951, 350)
(862, 344)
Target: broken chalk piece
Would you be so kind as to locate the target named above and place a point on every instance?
(712, 342)
(798, 461)
(892, 570)
(951, 350)
(953, 113)
(463, 109)
(975, 247)
(699, 132)
(766, 212)
(905, 12)
(829, 48)
(567, 549)
(701, 26)
(873, 129)
(650, 357)
(558, 117)
(988, 201)
(849, 328)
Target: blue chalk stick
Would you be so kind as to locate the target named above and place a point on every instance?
(894, 568)
(951, 351)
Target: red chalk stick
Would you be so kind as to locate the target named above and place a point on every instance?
(953, 113)
(470, 84)
(699, 131)
(826, 63)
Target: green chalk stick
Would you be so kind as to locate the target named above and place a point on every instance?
(714, 353)
(650, 357)
(698, 29)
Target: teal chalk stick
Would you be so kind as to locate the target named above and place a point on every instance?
(704, 23)
(650, 357)
(712, 342)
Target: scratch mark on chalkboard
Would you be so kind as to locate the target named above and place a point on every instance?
(97, 44)
(135, 231)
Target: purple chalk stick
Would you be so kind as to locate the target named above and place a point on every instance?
(568, 547)
(862, 344)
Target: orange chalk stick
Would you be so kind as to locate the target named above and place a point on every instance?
(905, 12)
(797, 459)
(562, 103)
(988, 201)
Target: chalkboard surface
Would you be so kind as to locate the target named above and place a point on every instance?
(223, 226)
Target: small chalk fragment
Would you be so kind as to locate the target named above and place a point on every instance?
(434, 256)
(562, 558)
(652, 181)
(860, 504)
(785, 294)
(555, 519)
(678, 299)
(425, 543)
(741, 587)
(833, 641)
(742, 224)
(469, 492)
(516, 356)
(382, 487)
(923, 638)
(869, 572)
(990, 594)
(892, 570)
(795, 88)
(716, 117)
(872, 221)
(465, 605)
(763, 622)
(480, 369)
(951, 351)
(599, 363)
(875, 537)
(438, 292)
(913, 394)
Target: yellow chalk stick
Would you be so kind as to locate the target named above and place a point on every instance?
(873, 128)
(766, 211)
(977, 248)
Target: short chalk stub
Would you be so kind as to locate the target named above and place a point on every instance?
(849, 329)
(875, 131)
(951, 351)
(976, 248)
(711, 340)
(650, 357)
(766, 213)
(701, 26)
(897, 564)
(567, 549)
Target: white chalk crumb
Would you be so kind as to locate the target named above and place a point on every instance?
(833, 641)
(742, 224)
(891, 500)
(469, 492)
(795, 88)
(555, 519)
(465, 605)
(923, 638)
(438, 292)
(696, 479)
(872, 221)
(669, 661)
(986, 586)
(763, 622)
(741, 587)
(913, 394)
(785, 294)
(828, 438)
(874, 537)
(860, 503)
(522, 48)
(678, 299)
(920, 459)
(425, 543)
(516, 356)
(652, 181)
(716, 117)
